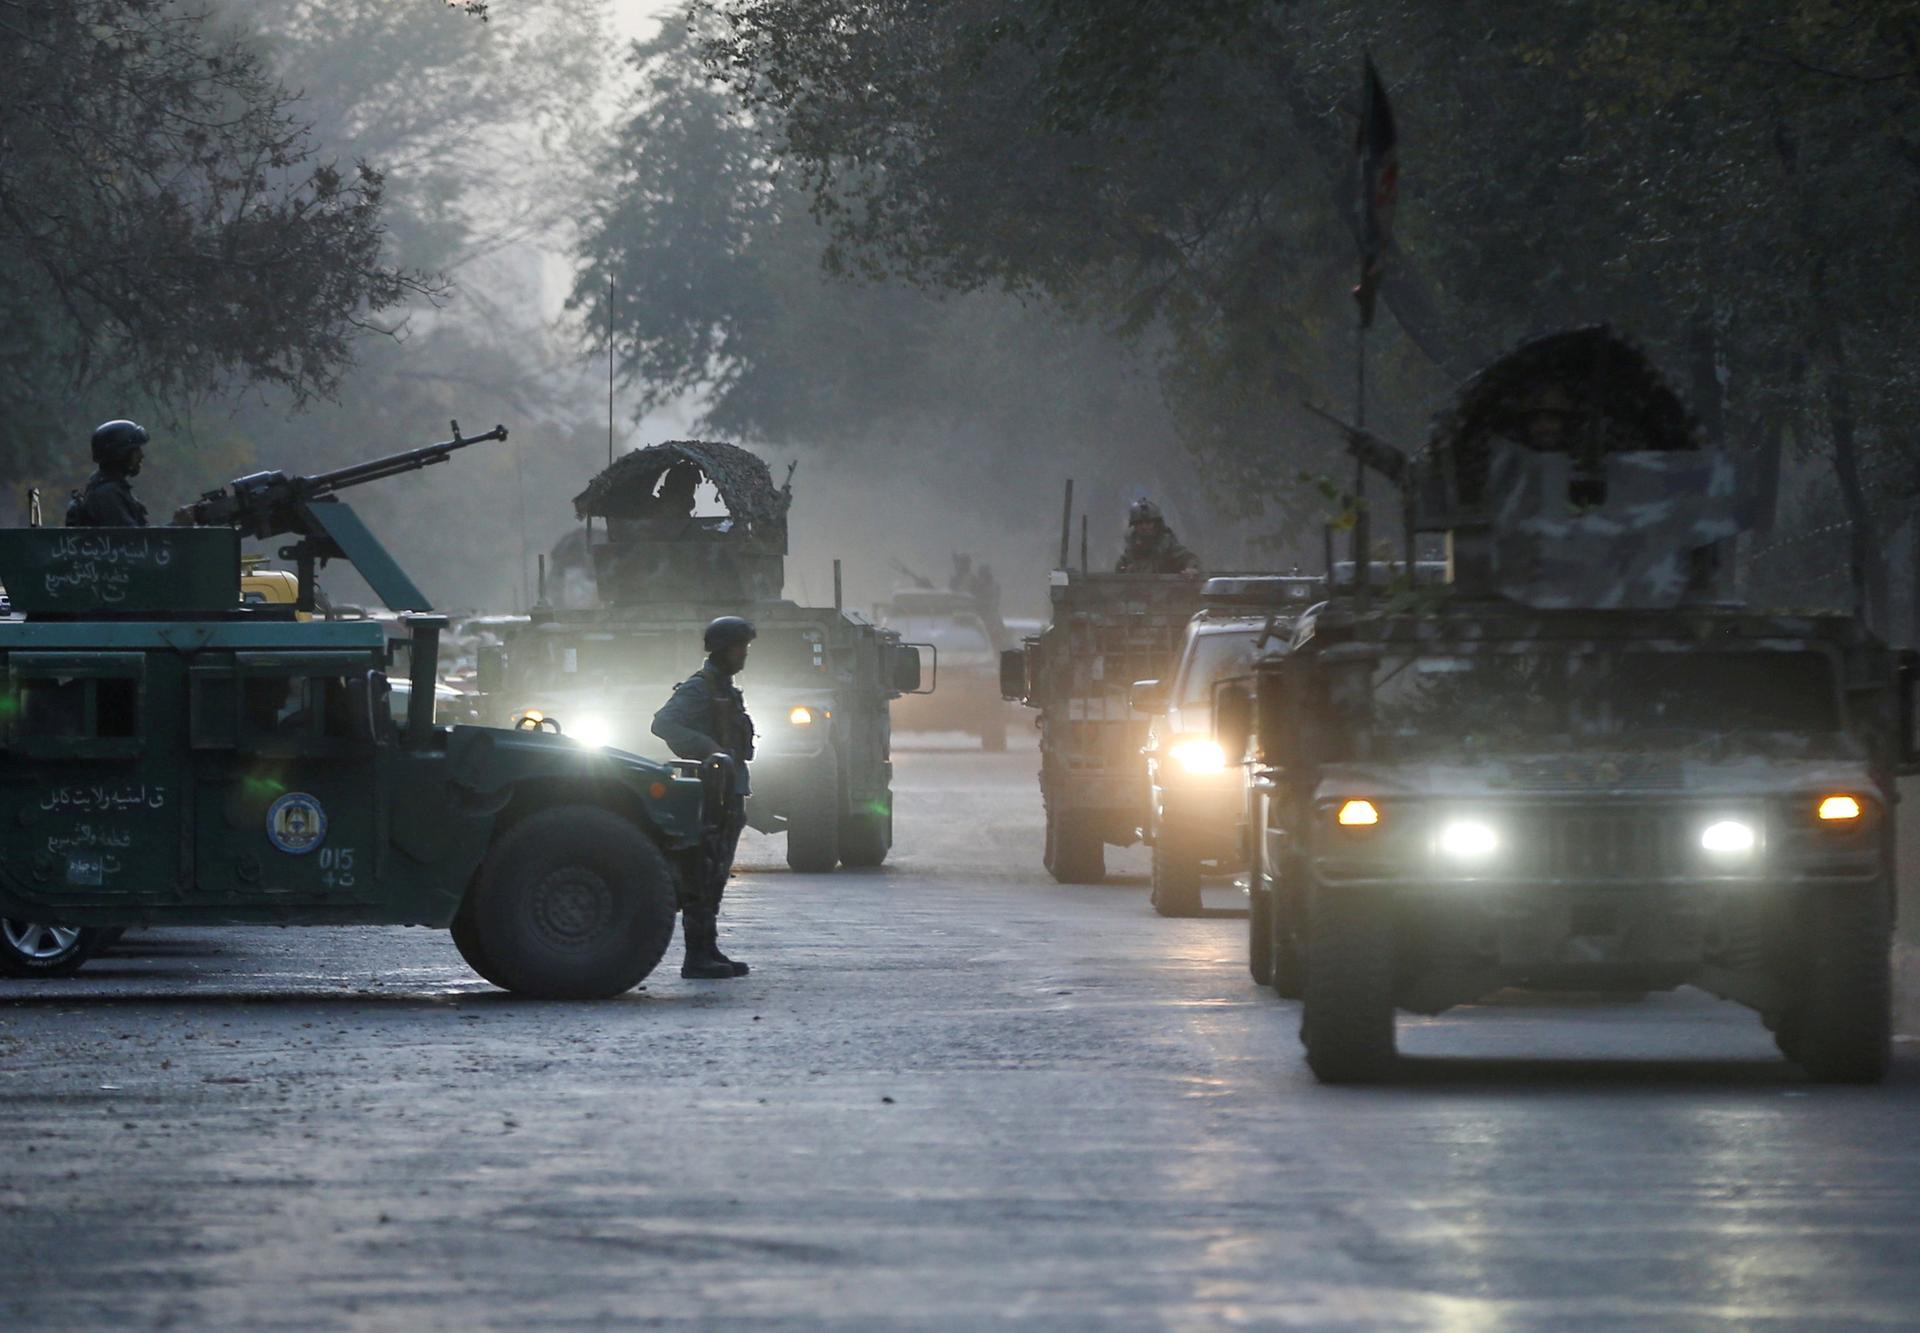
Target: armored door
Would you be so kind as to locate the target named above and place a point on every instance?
(289, 783)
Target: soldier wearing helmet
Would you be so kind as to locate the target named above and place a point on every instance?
(706, 720)
(1151, 546)
(108, 500)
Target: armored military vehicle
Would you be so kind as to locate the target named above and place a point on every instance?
(1579, 765)
(819, 682)
(969, 647)
(172, 756)
(1106, 631)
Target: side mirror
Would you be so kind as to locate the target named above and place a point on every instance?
(490, 668)
(1908, 688)
(1233, 718)
(1147, 696)
(906, 668)
(1013, 675)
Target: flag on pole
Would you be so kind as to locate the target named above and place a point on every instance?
(1379, 187)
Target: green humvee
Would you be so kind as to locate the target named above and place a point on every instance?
(169, 756)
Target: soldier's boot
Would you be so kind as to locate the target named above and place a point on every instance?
(739, 969)
(702, 961)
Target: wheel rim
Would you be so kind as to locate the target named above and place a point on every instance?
(30, 939)
(572, 908)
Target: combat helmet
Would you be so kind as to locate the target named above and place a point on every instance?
(1144, 510)
(726, 631)
(113, 441)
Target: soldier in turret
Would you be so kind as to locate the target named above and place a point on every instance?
(108, 500)
(1151, 546)
(706, 719)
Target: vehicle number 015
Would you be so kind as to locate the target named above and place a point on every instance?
(336, 867)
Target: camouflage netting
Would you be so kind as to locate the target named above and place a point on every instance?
(623, 490)
(1587, 392)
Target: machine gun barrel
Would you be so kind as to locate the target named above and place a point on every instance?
(378, 469)
(265, 503)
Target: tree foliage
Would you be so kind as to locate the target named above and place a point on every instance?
(1733, 181)
(166, 218)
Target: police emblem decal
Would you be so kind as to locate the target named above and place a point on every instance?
(296, 823)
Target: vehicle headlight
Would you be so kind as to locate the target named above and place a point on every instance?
(800, 716)
(593, 729)
(1729, 837)
(1468, 840)
(1197, 754)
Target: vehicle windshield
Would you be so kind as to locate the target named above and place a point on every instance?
(950, 634)
(1213, 657)
(1639, 698)
(601, 659)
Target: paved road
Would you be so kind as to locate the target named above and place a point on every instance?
(950, 1093)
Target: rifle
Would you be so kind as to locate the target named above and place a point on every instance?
(1368, 449)
(267, 504)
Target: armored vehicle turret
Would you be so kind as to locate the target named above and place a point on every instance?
(1579, 765)
(688, 531)
(173, 756)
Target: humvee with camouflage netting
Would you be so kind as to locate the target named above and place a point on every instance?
(1579, 766)
(691, 530)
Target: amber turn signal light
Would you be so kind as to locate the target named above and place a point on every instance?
(1839, 807)
(1356, 814)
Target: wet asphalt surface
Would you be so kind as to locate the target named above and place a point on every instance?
(952, 1093)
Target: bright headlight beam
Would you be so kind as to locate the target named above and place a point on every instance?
(800, 716)
(1728, 837)
(1197, 754)
(1357, 814)
(1468, 839)
(593, 729)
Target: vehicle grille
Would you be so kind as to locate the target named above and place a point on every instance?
(1608, 844)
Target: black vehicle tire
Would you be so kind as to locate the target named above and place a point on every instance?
(1075, 853)
(1841, 1031)
(813, 825)
(572, 903)
(1347, 1020)
(1289, 953)
(867, 836)
(1259, 933)
(1176, 879)
(28, 949)
(466, 938)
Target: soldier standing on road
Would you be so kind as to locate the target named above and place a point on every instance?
(705, 720)
(1151, 546)
(108, 501)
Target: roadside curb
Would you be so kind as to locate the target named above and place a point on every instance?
(1906, 989)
